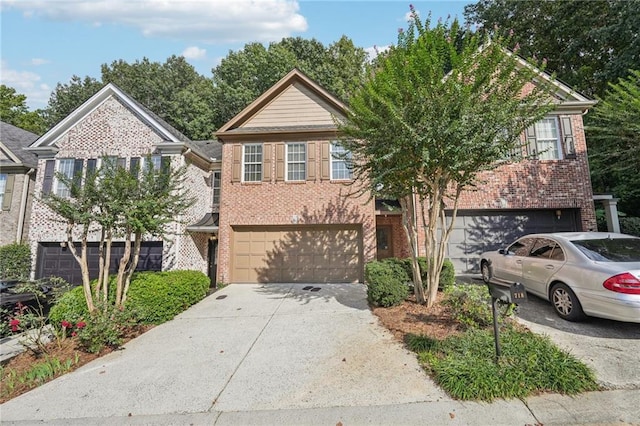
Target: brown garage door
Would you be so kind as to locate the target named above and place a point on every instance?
(297, 254)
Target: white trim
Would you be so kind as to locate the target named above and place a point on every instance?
(559, 147)
(53, 135)
(286, 162)
(9, 153)
(242, 171)
(331, 159)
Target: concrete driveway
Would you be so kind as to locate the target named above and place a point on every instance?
(610, 348)
(244, 348)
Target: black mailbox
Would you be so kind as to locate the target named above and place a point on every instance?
(515, 293)
(518, 293)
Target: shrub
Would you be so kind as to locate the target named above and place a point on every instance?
(447, 275)
(157, 297)
(386, 283)
(630, 225)
(104, 327)
(15, 261)
(470, 304)
(70, 307)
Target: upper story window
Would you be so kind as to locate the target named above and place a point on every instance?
(252, 162)
(547, 139)
(215, 186)
(296, 161)
(3, 187)
(65, 168)
(340, 159)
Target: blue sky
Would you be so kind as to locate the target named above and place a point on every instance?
(46, 42)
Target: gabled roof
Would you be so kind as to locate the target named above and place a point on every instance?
(294, 77)
(13, 140)
(166, 131)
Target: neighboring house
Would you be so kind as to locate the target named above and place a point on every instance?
(17, 177)
(285, 215)
(113, 124)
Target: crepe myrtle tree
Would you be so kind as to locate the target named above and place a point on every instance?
(118, 203)
(437, 109)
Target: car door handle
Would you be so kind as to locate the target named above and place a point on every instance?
(549, 267)
(519, 262)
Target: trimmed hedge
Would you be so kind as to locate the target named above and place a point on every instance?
(447, 273)
(15, 261)
(153, 297)
(156, 297)
(386, 283)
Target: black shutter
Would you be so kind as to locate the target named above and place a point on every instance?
(165, 164)
(91, 165)
(122, 162)
(567, 133)
(134, 166)
(78, 165)
(49, 171)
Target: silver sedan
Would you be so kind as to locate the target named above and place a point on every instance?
(580, 273)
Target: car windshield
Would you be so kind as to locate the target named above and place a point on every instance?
(610, 249)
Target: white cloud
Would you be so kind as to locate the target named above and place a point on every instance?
(408, 17)
(39, 61)
(27, 83)
(208, 21)
(375, 51)
(194, 52)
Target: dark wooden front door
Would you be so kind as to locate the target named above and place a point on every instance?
(384, 246)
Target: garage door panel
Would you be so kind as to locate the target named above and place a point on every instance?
(297, 254)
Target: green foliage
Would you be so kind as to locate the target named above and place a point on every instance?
(157, 297)
(71, 307)
(105, 327)
(244, 75)
(14, 110)
(386, 283)
(587, 43)
(447, 274)
(630, 225)
(471, 305)
(613, 132)
(464, 366)
(15, 261)
(40, 373)
(67, 97)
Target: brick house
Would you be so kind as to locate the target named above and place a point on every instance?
(17, 178)
(112, 124)
(285, 216)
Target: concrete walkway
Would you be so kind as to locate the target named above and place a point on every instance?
(280, 354)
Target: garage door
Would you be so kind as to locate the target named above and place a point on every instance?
(57, 261)
(478, 231)
(297, 254)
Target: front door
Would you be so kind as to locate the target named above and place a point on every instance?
(384, 247)
(213, 262)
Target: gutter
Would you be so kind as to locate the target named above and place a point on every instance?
(23, 204)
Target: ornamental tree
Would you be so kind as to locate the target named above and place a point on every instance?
(119, 204)
(437, 109)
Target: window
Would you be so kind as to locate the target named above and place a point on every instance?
(296, 161)
(252, 163)
(547, 249)
(65, 168)
(547, 139)
(340, 159)
(521, 247)
(3, 187)
(215, 186)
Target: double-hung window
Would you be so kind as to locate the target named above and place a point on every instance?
(215, 187)
(252, 162)
(548, 139)
(296, 161)
(340, 158)
(65, 168)
(3, 187)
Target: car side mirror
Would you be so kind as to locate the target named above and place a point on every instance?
(502, 251)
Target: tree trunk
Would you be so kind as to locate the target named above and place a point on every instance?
(82, 261)
(122, 266)
(409, 223)
(132, 265)
(100, 264)
(107, 262)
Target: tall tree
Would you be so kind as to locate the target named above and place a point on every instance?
(173, 90)
(439, 108)
(14, 110)
(244, 75)
(614, 143)
(588, 43)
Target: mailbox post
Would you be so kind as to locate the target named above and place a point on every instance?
(515, 293)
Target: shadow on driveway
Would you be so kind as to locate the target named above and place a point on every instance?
(349, 295)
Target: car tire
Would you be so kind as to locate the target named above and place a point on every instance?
(566, 303)
(486, 272)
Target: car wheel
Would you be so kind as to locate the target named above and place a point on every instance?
(486, 272)
(566, 303)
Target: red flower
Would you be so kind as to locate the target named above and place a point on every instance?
(74, 333)
(66, 324)
(14, 323)
(80, 325)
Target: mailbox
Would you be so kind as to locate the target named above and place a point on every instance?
(515, 293)
(518, 293)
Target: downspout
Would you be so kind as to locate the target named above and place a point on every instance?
(23, 205)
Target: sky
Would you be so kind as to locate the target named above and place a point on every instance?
(46, 42)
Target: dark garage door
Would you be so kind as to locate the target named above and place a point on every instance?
(54, 260)
(478, 231)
